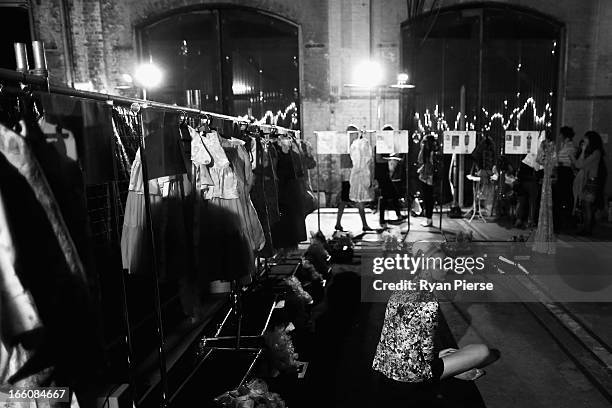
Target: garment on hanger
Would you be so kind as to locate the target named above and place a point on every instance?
(291, 227)
(162, 141)
(229, 231)
(18, 314)
(302, 162)
(544, 239)
(241, 163)
(485, 156)
(54, 279)
(223, 177)
(264, 193)
(297, 157)
(127, 133)
(80, 129)
(360, 178)
(170, 238)
(201, 160)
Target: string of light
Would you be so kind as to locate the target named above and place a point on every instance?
(274, 118)
(511, 123)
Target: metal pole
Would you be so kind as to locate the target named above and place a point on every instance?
(154, 267)
(318, 185)
(30, 79)
(122, 275)
(128, 336)
(441, 188)
(460, 177)
(407, 192)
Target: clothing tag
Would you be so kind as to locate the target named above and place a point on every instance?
(164, 183)
(61, 138)
(302, 366)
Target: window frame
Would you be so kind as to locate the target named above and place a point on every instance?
(217, 10)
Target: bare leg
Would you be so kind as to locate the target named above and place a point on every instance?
(464, 359)
(364, 223)
(341, 206)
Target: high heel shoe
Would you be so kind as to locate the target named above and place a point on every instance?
(471, 375)
(428, 223)
(338, 227)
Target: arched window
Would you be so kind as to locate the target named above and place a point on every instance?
(233, 60)
(500, 62)
(489, 67)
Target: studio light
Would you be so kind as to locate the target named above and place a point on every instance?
(127, 78)
(367, 74)
(402, 81)
(148, 76)
(125, 82)
(239, 88)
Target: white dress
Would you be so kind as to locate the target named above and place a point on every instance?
(360, 179)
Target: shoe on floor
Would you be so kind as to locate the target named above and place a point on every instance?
(428, 223)
(339, 228)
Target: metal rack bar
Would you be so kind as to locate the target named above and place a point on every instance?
(56, 88)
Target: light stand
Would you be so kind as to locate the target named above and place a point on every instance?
(318, 185)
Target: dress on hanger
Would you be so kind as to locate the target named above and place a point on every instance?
(544, 240)
(200, 159)
(249, 222)
(485, 157)
(264, 193)
(360, 179)
(222, 176)
(165, 197)
(228, 231)
(290, 230)
(307, 162)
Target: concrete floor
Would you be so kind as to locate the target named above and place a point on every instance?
(553, 354)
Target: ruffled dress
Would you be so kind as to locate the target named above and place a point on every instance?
(360, 178)
(228, 229)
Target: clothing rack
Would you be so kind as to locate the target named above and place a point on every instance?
(42, 84)
(60, 89)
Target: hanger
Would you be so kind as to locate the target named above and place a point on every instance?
(204, 126)
(182, 118)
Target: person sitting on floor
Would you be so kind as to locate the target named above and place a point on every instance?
(405, 352)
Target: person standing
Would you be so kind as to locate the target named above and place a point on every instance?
(563, 196)
(389, 193)
(528, 192)
(426, 172)
(591, 179)
(359, 174)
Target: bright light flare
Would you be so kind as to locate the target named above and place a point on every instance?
(148, 76)
(368, 74)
